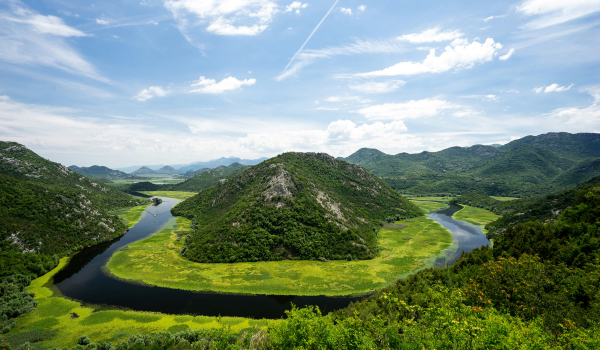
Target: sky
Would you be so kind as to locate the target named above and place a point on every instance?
(121, 83)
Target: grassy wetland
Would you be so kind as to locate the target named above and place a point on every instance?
(475, 216)
(58, 321)
(171, 194)
(407, 246)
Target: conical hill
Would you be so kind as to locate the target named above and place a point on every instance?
(294, 206)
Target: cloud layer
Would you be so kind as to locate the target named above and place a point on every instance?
(460, 54)
(552, 12)
(210, 86)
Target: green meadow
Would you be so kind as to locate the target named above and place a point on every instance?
(475, 216)
(407, 246)
(441, 199)
(504, 199)
(429, 206)
(131, 216)
(170, 194)
(58, 321)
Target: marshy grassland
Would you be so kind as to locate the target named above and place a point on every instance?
(58, 321)
(408, 246)
(171, 194)
(475, 216)
(131, 216)
(429, 206)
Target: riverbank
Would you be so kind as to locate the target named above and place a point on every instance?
(475, 216)
(58, 321)
(408, 246)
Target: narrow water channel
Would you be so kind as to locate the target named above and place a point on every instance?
(83, 280)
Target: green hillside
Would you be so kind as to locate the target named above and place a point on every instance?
(144, 171)
(99, 172)
(41, 224)
(208, 178)
(167, 170)
(531, 166)
(566, 145)
(18, 161)
(293, 206)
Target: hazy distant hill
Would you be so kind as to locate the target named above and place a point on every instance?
(530, 166)
(144, 171)
(99, 172)
(218, 162)
(167, 170)
(296, 205)
(208, 178)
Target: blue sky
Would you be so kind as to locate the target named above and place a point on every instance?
(121, 83)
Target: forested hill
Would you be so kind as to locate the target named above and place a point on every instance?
(99, 172)
(208, 178)
(293, 206)
(20, 162)
(48, 211)
(540, 208)
(523, 168)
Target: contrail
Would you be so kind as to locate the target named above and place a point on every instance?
(311, 34)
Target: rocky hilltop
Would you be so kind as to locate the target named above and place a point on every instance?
(293, 206)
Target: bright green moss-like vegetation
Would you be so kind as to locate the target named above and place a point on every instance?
(132, 215)
(171, 194)
(475, 216)
(429, 206)
(408, 246)
(58, 322)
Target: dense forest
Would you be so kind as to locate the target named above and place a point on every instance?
(293, 206)
(526, 167)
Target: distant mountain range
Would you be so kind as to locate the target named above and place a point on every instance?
(185, 168)
(532, 165)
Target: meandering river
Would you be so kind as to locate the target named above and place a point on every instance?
(83, 279)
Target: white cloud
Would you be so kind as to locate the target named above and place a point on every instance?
(210, 86)
(508, 55)
(378, 87)
(556, 11)
(409, 110)
(483, 97)
(459, 54)
(346, 98)
(432, 35)
(557, 88)
(152, 91)
(103, 20)
(307, 57)
(346, 11)
(552, 88)
(30, 39)
(493, 17)
(362, 8)
(295, 6)
(222, 17)
(588, 117)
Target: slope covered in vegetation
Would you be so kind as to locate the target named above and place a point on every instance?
(531, 166)
(296, 205)
(208, 178)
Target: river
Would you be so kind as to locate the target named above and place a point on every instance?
(83, 279)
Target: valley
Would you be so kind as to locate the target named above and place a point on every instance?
(236, 248)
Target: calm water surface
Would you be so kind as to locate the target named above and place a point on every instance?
(83, 279)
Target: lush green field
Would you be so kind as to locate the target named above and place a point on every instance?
(429, 206)
(441, 199)
(155, 179)
(132, 215)
(53, 324)
(475, 216)
(170, 194)
(409, 245)
(504, 199)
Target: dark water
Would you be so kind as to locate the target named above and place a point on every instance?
(468, 236)
(83, 280)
